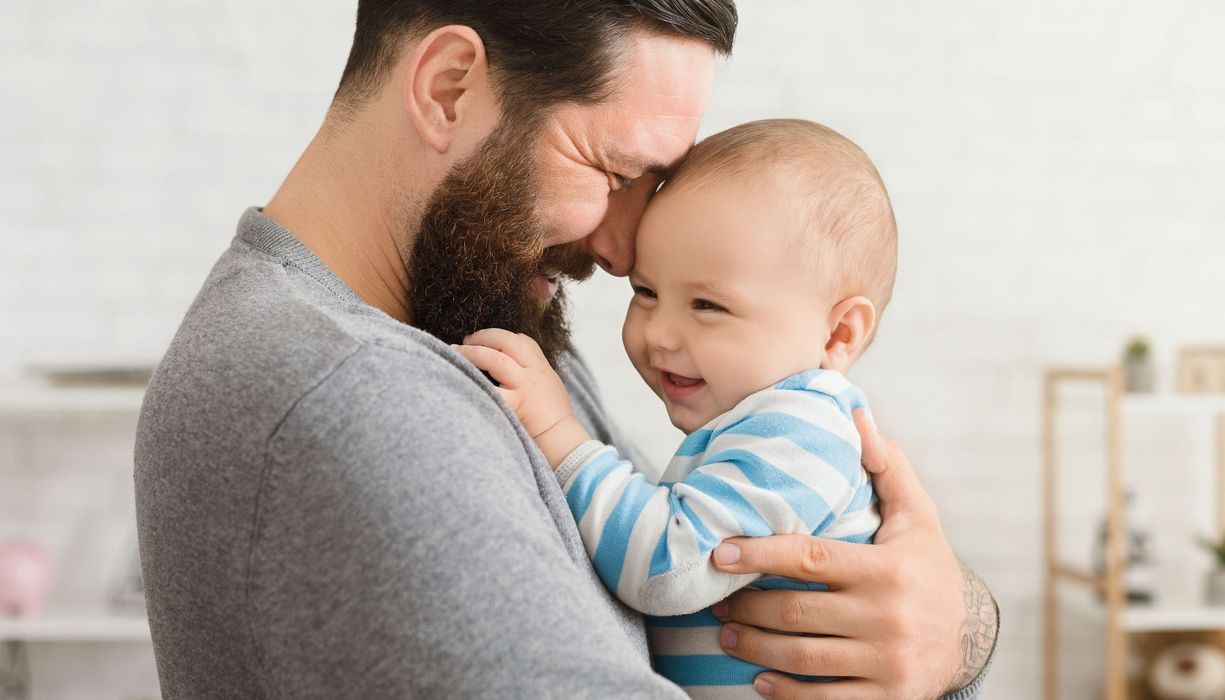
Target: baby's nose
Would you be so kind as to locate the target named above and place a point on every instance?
(660, 335)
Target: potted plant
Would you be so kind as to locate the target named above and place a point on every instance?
(1138, 573)
(1138, 366)
(1214, 591)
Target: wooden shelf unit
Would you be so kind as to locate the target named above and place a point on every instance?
(1120, 619)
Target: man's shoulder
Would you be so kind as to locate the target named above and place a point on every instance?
(278, 317)
(262, 336)
(403, 399)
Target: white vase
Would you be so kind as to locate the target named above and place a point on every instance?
(1139, 376)
(1214, 588)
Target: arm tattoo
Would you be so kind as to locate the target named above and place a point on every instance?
(978, 630)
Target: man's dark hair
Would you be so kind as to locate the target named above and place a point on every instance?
(540, 52)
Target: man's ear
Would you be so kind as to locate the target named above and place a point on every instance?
(447, 84)
(851, 324)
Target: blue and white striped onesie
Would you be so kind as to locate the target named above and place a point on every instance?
(784, 460)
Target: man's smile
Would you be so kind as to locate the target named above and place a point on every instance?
(545, 287)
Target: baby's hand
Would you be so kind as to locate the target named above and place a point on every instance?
(530, 386)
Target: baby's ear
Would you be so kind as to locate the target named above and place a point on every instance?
(851, 324)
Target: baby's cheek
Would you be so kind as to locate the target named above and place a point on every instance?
(737, 374)
(633, 342)
(628, 331)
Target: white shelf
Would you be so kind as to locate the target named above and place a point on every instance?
(94, 627)
(1161, 619)
(1166, 404)
(34, 398)
(1151, 618)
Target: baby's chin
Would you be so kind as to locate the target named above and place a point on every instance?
(687, 423)
(683, 421)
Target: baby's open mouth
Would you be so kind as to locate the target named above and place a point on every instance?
(679, 386)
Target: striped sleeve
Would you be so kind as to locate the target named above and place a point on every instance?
(783, 461)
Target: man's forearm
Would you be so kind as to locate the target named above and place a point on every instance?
(979, 631)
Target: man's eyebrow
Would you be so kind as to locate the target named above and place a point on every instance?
(630, 165)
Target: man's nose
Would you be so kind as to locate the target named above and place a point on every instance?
(612, 244)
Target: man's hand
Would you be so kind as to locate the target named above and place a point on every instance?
(905, 618)
(530, 387)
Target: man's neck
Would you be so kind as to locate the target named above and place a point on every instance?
(340, 201)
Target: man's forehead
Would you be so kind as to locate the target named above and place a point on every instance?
(652, 64)
(652, 116)
(641, 141)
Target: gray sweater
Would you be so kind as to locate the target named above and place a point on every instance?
(333, 504)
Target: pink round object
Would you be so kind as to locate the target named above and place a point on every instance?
(26, 576)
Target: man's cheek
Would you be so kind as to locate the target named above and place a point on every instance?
(572, 220)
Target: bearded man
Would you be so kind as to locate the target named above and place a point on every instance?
(332, 502)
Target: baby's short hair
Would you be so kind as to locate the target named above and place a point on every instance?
(845, 219)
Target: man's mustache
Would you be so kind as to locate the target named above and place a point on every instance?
(567, 260)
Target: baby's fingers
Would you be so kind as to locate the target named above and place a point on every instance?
(512, 398)
(499, 365)
(521, 348)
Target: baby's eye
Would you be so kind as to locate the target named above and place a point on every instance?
(642, 291)
(705, 305)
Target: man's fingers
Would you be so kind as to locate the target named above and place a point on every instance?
(803, 557)
(893, 478)
(811, 612)
(517, 346)
(499, 365)
(869, 438)
(776, 685)
(809, 656)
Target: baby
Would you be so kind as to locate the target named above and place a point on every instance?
(762, 268)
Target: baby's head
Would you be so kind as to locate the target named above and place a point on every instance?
(772, 250)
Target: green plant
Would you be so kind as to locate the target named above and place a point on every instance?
(1137, 349)
(1216, 547)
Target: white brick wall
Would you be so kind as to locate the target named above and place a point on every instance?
(1057, 170)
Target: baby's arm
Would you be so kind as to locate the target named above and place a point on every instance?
(771, 470)
(532, 389)
(790, 464)
(530, 386)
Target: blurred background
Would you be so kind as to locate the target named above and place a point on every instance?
(1058, 173)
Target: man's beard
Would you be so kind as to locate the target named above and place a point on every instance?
(479, 250)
